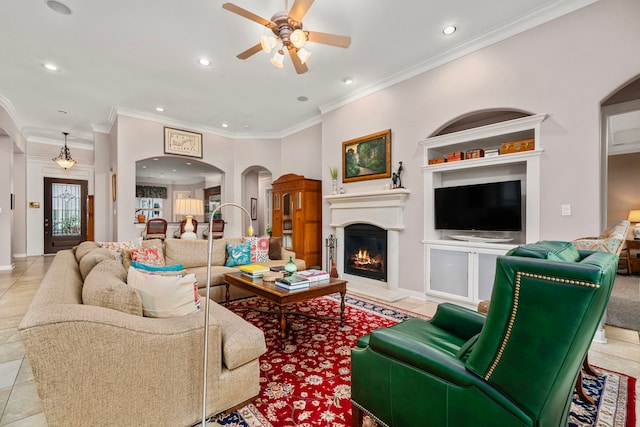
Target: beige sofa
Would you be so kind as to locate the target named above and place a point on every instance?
(193, 255)
(97, 361)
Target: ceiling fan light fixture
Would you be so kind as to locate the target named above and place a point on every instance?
(303, 54)
(298, 38)
(278, 59)
(267, 43)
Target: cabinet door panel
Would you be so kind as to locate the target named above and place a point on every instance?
(449, 272)
(486, 274)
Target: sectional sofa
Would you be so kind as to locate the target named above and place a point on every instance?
(97, 360)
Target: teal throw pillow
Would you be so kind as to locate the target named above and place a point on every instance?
(156, 268)
(239, 254)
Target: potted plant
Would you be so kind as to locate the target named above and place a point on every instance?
(334, 180)
(268, 230)
(141, 217)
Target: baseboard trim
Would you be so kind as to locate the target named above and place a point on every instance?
(7, 267)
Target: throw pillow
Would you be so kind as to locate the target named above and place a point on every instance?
(239, 254)
(275, 247)
(106, 286)
(259, 248)
(156, 268)
(165, 296)
(149, 256)
(117, 247)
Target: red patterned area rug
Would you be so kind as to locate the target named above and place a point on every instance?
(308, 382)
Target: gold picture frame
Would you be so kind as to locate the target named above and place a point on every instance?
(375, 150)
(182, 142)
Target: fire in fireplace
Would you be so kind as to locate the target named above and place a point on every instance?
(365, 251)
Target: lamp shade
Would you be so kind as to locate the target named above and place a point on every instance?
(193, 207)
(634, 216)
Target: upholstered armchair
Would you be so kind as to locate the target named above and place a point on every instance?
(516, 366)
(610, 240)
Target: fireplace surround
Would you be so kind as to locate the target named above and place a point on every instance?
(383, 209)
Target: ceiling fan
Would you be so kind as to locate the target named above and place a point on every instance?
(289, 35)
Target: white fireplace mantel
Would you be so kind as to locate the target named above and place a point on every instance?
(380, 208)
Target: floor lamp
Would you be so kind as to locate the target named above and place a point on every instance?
(205, 355)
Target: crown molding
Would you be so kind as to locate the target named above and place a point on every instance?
(59, 142)
(11, 111)
(541, 15)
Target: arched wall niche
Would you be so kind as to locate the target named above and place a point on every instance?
(479, 118)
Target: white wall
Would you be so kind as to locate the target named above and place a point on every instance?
(564, 68)
(301, 152)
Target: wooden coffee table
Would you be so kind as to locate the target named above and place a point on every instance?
(282, 297)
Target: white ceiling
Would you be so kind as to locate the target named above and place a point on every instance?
(130, 56)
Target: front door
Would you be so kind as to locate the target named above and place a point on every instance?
(65, 213)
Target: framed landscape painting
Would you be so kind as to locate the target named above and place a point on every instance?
(368, 157)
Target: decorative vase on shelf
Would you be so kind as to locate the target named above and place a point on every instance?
(141, 218)
(334, 186)
(290, 267)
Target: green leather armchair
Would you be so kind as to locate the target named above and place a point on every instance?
(516, 366)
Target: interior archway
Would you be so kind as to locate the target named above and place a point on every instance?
(620, 142)
(161, 180)
(479, 118)
(256, 196)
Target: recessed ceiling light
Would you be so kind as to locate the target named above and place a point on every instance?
(204, 62)
(447, 31)
(225, 125)
(50, 67)
(56, 6)
(188, 163)
(347, 80)
(160, 109)
(155, 158)
(63, 112)
(144, 166)
(303, 98)
(173, 170)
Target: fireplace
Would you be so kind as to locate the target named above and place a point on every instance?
(365, 251)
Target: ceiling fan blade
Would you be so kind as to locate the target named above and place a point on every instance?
(326, 38)
(249, 52)
(299, 9)
(246, 14)
(298, 65)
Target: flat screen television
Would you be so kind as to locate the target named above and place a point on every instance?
(494, 206)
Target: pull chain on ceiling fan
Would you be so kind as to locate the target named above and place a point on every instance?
(288, 34)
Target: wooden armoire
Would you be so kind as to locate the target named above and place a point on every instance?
(297, 216)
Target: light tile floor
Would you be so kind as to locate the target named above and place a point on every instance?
(19, 403)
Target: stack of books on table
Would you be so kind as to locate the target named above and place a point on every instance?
(253, 270)
(292, 282)
(313, 275)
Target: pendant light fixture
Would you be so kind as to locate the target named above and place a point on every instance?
(64, 159)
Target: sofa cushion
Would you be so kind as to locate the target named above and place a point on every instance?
(165, 296)
(241, 341)
(106, 286)
(239, 254)
(275, 248)
(93, 258)
(151, 243)
(189, 253)
(84, 248)
(259, 248)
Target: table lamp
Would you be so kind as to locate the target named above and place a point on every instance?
(634, 216)
(189, 208)
(205, 355)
